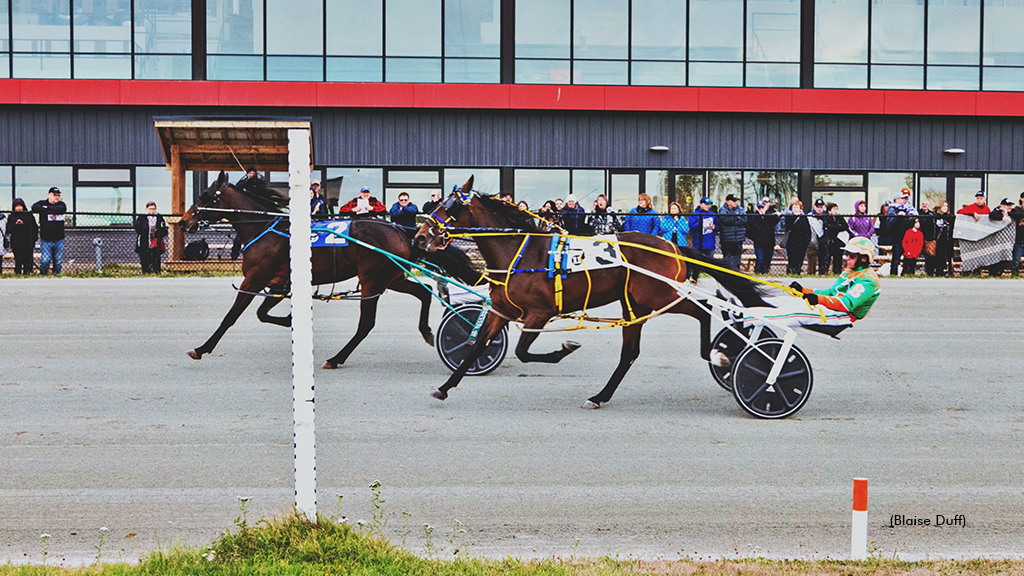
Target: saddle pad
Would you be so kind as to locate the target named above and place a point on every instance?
(593, 254)
(326, 239)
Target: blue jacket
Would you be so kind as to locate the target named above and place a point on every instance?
(668, 224)
(703, 239)
(637, 221)
(573, 220)
(404, 217)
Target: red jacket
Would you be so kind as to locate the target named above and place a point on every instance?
(974, 209)
(913, 242)
(375, 205)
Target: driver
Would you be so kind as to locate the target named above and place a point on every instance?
(847, 301)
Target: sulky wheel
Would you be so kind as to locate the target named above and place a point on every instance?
(453, 346)
(787, 395)
(728, 343)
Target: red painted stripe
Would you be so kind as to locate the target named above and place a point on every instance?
(505, 97)
(860, 495)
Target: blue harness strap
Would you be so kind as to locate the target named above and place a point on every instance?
(558, 256)
(270, 228)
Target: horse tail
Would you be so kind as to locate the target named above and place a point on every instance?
(750, 293)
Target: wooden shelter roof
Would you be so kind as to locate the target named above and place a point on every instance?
(229, 144)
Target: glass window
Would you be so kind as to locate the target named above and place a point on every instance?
(932, 189)
(840, 76)
(355, 69)
(598, 72)
(413, 28)
(5, 66)
(600, 29)
(103, 27)
(776, 185)
(354, 179)
(295, 27)
(716, 30)
(40, 27)
(839, 180)
(163, 26)
(103, 66)
(715, 74)
(953, 77)
(412, 70)
(883, 186)
(659, 73)
(234, 67)
(773, 30)
(1003, 42)
(417, 196)
(689, 187)
(964, 190)
(954, 32)
(355, 27)
(587, 185)
(295, 68)
(897, 77)
(472, 28)
(6, 187)
(840, 31)
(999, 186)
(42, 65)
(845, 199)
(153, 184)
(897, 32)
(106, 199)
(5, 45)
(123, 175)
(656, 186)
(163, 67)
(542, 71)
(475, 71)
(773, 75)
(721, 183)
(624, 190)
(413, 177)
(542, 29)
(1003, 79)
(539, 186)
(234, 27)
(33, 182)
(659, 30)
(485, 180)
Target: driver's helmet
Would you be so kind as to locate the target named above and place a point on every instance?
(861, 245)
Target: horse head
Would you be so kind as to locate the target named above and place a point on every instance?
(196, 215)
(433, 234)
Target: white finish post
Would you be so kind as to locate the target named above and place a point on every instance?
(859, 533)
(302, 324)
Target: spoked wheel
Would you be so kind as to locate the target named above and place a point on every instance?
(728, 343)
(452, 341)
(787, 395)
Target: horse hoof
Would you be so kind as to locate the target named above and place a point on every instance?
(717, 358)
(328, 365)
(428, 337)
(570, 346)
(194, 355)
(589, 405)
(439, 394)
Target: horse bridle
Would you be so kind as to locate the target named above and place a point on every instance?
(454, 206)
(198, 208)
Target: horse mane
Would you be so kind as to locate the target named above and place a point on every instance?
(268, 198)
(516, 217)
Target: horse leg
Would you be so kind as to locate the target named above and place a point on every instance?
(629, 354)
(263, 313)
(424, 295)
(492, 325)
(705, 331)
(242, 301)
(367, 320)
(527, 338)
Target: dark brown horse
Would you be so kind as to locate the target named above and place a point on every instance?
(529, 297)
(266, 262)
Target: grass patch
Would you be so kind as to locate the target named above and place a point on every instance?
(294, 546)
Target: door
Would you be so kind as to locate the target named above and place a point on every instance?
(623, 188)
(957, 189)
(687, 188)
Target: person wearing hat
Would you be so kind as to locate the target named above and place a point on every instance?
(1007, 212)
(51, 231)
(363, 205)
(1017, 214)
(23, 232)
(978, 209)
(703, 222)
(732, 228)
(817, 255)
(900, 216)
(317, 205)
(761, 223)
(252, 182)
(573, 216)
(404, 213)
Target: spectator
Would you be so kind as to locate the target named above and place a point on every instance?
(818, 257)
(603, 220)
(861, 224)
(523, 205)
(363, 205)
(559, 204)
(833, 245)
(913, 244)
(900, 218)
(761, 225)
(1017, 214)
(882, 226)
(507, 197)
(979, 208)
(5, 242)
(573, 217)
(799, 236)
(943, 262)
(1006, 212)
(252, 182)
(642, 218)
(674, 226)
(317, 206)
(23, 232)
(732, 228)
(557, 212)
(703, 222)
(51, 231)
(435, 200)
(547, 211)
(927, 218)
(150, 230)
(404, 212)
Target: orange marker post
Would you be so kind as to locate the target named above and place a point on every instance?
(859, 534)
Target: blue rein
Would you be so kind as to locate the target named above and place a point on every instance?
(270, 228)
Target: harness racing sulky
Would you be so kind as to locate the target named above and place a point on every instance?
(537, 273)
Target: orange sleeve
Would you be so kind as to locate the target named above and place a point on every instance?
(832, 303)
